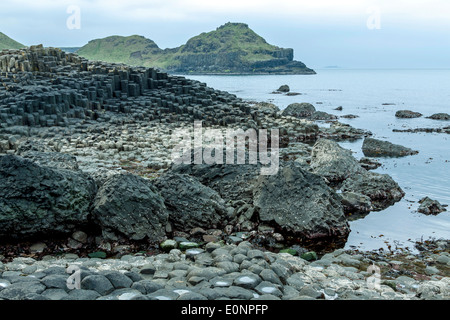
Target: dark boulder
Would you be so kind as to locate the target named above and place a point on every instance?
(378, 148)
(382, 190)
(429, 206)
(300, 204)
(407, 114)
(299, 110)
(284, 88)
(330, 160)
(37, 199)
(191, 204)
(355, 203)
(130, 206)
(234, 183)
(440, 116)
(297, 203)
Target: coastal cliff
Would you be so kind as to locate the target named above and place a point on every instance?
(230, 49)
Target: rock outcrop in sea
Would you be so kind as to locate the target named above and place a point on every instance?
(379, 148)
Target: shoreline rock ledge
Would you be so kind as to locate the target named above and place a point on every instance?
(378, 148)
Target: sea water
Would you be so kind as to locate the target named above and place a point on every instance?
(374, 96)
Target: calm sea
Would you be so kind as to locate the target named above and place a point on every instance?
(375, 96)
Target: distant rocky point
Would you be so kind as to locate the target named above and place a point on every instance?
(230, 49)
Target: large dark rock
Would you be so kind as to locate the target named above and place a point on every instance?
(382, 190)
(190, 203)
(429, 206)
(330, 160)
(294, 201)
(321, 115)
(37, 200)
(299, 110)
(130, 206)
(378, 148)
(440, 116)
(284, 88)
(233, 183)
(407, 114)
(300, 204)
(355, 203)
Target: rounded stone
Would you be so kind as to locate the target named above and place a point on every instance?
(248, 281)
(80, 236)
(98, 283)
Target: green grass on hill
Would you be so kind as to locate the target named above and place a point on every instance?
(8, 43)
(119, 49)
(230, 37)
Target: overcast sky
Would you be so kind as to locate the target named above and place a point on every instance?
(345, 33)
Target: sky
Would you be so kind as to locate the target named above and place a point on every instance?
(344, 33)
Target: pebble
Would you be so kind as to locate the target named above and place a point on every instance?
(38, 247)
(80, 236)
(443, 259)
(237, 272)
(430, 270)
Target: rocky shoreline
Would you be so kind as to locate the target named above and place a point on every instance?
(89, 180)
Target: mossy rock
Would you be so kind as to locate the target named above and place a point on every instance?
(290, 251)
(309, 256)
(168, 245)
(98, 254)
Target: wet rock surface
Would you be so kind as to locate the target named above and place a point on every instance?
(37, 200)
(378, 148)
(380, 188)
(128, 205)
(440, 116)
(407, 114)
(429, 206)
(333, 162)
(191, 204)
(299, 110)
(300, 204)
